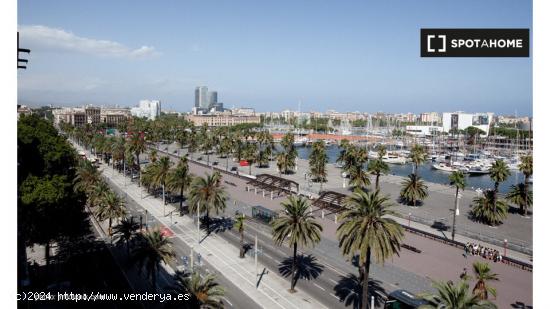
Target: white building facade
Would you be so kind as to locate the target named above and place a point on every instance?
(460, 121)
(423, 130)
(147, 108)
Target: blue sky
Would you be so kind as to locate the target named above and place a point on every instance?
(343, 55)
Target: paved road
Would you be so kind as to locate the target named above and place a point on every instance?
(234, 297)
(411, 271)
(439, 205)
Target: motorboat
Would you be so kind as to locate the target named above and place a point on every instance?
(393, 158)
(479, 170)
(444, 167)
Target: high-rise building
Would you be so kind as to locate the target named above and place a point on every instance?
(212, 98)
(201, 97)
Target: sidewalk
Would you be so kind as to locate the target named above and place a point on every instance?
(272, 291)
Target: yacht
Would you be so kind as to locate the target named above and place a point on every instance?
(444, 167)
(479, 170)
(393, 158)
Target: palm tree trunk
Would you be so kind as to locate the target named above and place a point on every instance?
(496, 197)
(454, 215)
(250, 168)
(377, 185)
(207, 218)
(293, 278)
(181, 200)
(365, 294)
(241, 253)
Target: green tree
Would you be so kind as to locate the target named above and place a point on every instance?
(526, 167)
(125, 231)
(418, 156)
(483, 276)
(499, 172)
(366, 230)
(296, 226)
(151, 249)
(137, 146)
(318, 160)
(519, 195)
(239, 226)
(160, 172)
(413, 189)
(111, 207)
(457, 180)
(153, 155)
(455, 296)
(484, 209)
(378, 167)
(207, 194)
(179, 179)
(205, 291)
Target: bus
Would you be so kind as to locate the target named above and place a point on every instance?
(402, 299)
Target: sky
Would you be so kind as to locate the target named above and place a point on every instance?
(342, 55)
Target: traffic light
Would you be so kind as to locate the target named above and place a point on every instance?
(21, 50)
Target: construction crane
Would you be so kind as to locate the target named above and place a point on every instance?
(21, 50)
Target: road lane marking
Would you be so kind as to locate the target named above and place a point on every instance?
(227, 300)
(338, 298)
(322, 288)
(332, 280)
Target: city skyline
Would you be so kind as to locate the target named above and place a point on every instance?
(349, 57)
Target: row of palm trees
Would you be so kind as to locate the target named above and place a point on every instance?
(149, 249)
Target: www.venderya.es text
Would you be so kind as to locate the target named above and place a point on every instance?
(99, 296)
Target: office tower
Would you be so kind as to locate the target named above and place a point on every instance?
(201, 97)
(212, 98)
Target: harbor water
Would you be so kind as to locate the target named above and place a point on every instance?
(427, 172)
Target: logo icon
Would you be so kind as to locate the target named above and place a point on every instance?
(441, 37)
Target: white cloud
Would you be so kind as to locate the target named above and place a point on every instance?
(38, 37)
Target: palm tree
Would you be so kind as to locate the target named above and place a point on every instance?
(86, 177)
(483, 275)
(137, 146)
(179, 178)
(455, 296)
(239, 226)
(153, 155)
(250, 155)
(484, 209)
(160, 173)
(151, 249)
(318, 160)
(457, 179)
(499, 172)
(125, 231)
(366, 230)
(207, 194)
(413, 190)
(526, 167)
(378, 167)
(358, 177)
(111, 207)
(205, 291)
(297, 226)
(97, 193)
(418, 156)
(519, 195)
